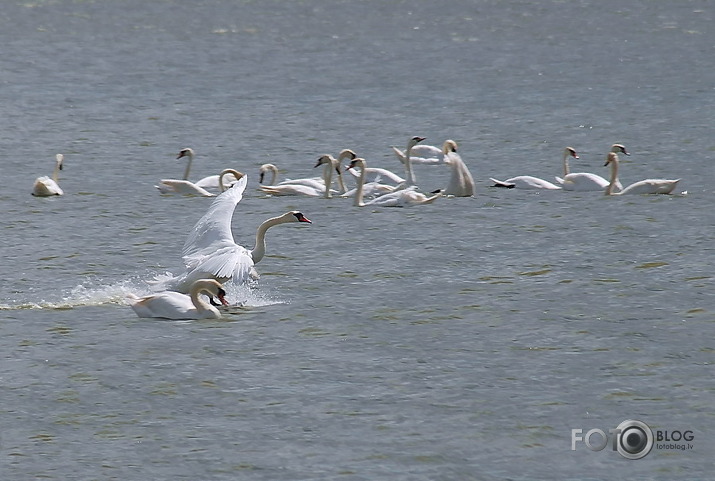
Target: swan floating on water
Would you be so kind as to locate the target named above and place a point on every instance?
(399, 198)
(310, 187)
(45, 186)
(174, 305)
(528, 181)
(585, 181)
(185, 187)
(210, 250)
(461, 183)
(647, 186)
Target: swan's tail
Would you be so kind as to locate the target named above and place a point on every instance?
(559, 180)
(500, 183)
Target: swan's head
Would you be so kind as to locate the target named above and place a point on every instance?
(359, 162)
(414, 141)
(611, 159)
(187, 152)
(570, 151)
(59, 159)
(265, 168)
(449, 146)
(324, 159)
(213, 288)
(296, 216)
(346, 154)
(619, 148)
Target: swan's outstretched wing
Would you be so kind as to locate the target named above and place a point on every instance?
(422, 154)
(213, 230)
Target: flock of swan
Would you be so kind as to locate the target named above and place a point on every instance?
(211, 256)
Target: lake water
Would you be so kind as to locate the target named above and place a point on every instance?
(460, 340)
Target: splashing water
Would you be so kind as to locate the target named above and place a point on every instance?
(97, 292)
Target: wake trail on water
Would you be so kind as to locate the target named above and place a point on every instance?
(98, 292)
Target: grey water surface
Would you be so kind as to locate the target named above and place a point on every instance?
(465, 339)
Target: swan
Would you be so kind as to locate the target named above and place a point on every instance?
(45, 186)
(461, 183)
(307, 187)
(399, 198)
(409, 174)
(185, 187)
(174, 305)
(313, 182)
(526, 182)
(647, 186)
(585, 181)
(210, 250)
(422, 154)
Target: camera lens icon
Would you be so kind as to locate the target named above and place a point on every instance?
(635, 439)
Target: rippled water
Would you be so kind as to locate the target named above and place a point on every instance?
(460, 340)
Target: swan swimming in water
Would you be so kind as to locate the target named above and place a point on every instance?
(210, 250)
(461, 183)
(585, 181)
(647, 186)
(185, 187)
(306, 186)
(174, 305)
(528, 181)
(45, 186)
(399, 198)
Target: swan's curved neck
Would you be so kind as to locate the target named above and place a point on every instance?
(614, 176)
(260, 249)
(199, 303)
(360, 184)
(328, 178)
(341, 183)
(223, 173)
(410, 176)
(188, 165)
(567, 170)
(274, 174)
(56, 172)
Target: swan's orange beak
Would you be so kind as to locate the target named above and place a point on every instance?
(302, 218)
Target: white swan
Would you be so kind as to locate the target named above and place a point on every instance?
(422, 154)
(307, 187)
(461, 183)
(185, 187)
(210, 250)
(45, 186)
(409, 173)
(647, 186)
(174, 305)
(524, 182)
(313, 182)
(399, 198)
(585, 181)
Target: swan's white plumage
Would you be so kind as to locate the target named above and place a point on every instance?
(525, 182)
(174, 305)
(646, 186)
(45, 186)
(210, 250)
(461, 182)
(398, 198)
(585, 181)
